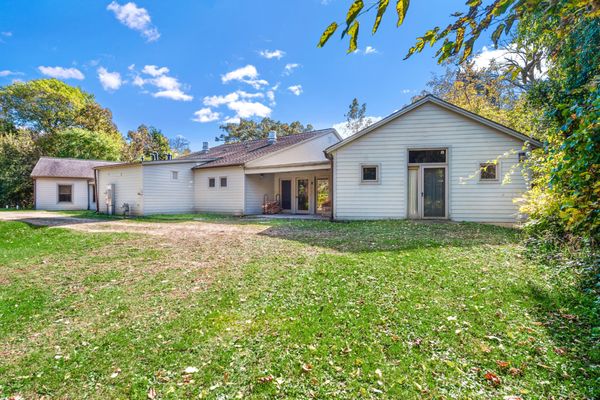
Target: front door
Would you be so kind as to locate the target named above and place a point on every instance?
(286, 195)
(434, 192)
(302, 196)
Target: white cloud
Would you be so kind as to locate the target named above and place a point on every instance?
(501, 56)
(289, 68)
(169, 87)
(343, 129)
(248, 109)
(272, 54)
(216, 101)
(62, 73)
(246, 95)
(7, 72)
(247, 74)
(109, 80)
(232, 120)
(136, 18)
(206, 115)
(370, 50)
(153, 70)
(271, 97)
(296, 89)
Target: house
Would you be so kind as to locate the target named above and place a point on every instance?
(429, 160)
(235, 178)
(65, 183)
(432, 160)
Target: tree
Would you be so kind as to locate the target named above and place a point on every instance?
(356, 116)
(180, 145)
(248, 129)
(81, 143)
(144, 141)
(43, 106)
(18, 155)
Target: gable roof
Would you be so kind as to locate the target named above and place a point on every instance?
(444, 104)
(53, 167)
(240, 153)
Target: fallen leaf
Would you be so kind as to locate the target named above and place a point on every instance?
(561, 351)
(502, 364)
(307, 367)
(512, 398)
(378, 373)
(151, 393)
(492, 378)
(265, 379)
(515, 371)
(190, 370)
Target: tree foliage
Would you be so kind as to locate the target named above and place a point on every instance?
(144, 141)
(180, 146)
(81, 143)
(18, 155)
(248, 129)
(356, 117)
(458, 37)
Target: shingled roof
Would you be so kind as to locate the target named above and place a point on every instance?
(50, 167)
(242, 152)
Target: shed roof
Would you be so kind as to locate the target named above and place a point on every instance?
(52, 167)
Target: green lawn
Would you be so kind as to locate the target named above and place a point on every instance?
(303, 309)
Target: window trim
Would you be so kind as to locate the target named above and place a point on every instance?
(377, 167)
(58, 185)
(174, 175)
(497, 167)
(214, 186)
(221, 182)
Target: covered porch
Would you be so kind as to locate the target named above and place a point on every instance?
(292, 190)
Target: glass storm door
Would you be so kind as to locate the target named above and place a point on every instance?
(302, 195)
(413, 192)
(434, 192)
(286, 194)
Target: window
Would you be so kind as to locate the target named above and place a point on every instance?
(223, 181)
(426, 156)
(488, 171)
(522, 156)
(65, 193)
(93, 189)
(211, 182)
(174, 175)
(369, 173)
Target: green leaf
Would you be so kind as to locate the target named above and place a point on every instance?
(501, 6)
(497, 33)
(353, 32)
(460, 35)
(402, 8)
(473, 3)
(327, 34)
(354, 10)
(509, 22)
(380, 11)
(468, 49)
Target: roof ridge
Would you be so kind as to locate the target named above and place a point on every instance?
(77, 159)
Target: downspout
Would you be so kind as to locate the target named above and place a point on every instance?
(330, 157)
(96, 190)
(34, 194)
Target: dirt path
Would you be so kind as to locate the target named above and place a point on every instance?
(175, 230)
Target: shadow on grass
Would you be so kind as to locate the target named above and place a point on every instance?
(390, 235)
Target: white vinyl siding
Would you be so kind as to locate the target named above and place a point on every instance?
(310, 151)
(128, 188)
(228, 200)
(165, 195)
(46, 194)
(469, 144)
(256, 188)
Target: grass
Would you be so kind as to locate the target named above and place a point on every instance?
(295, 309)
(208, 217)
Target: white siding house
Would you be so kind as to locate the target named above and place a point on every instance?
(65, 183)
(211, 196)
(426, 161)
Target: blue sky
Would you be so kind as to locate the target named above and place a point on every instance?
(187, 66)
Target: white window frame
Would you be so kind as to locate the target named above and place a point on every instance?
(221, 182)
(377, 167)
(495, 164)
(215, 180)
(174, 175)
